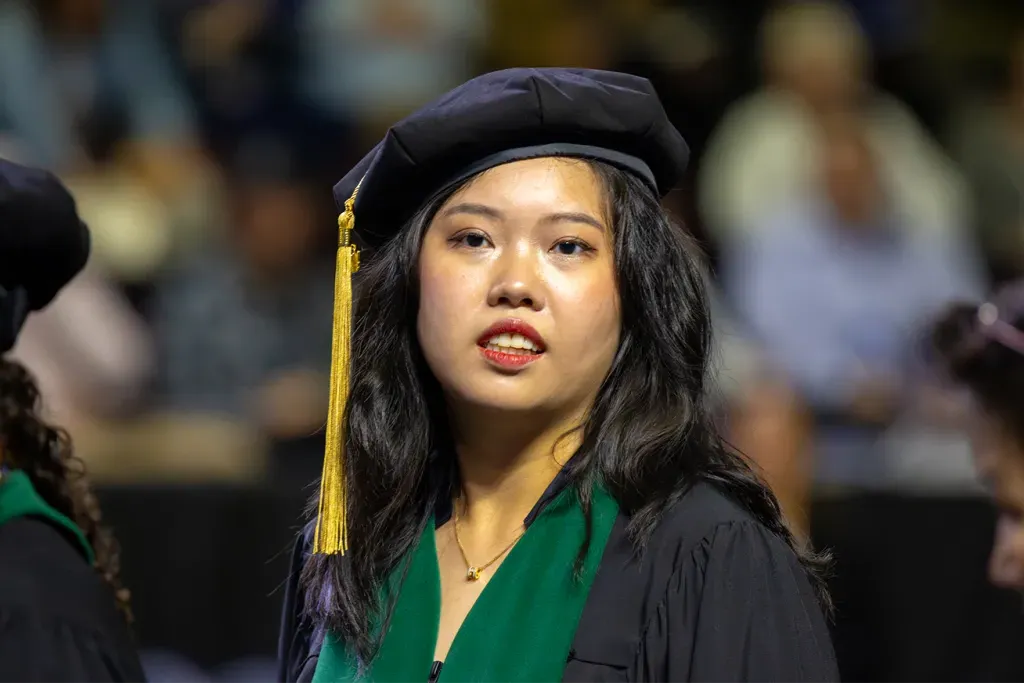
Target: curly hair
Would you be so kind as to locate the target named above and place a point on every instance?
(45, 454)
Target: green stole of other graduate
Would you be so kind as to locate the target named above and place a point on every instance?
(523, 623)
(18, 498)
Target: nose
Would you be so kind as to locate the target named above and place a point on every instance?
(517, 283)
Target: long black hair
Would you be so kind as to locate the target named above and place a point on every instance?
(648, 438)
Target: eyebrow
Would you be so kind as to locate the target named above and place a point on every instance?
(493, 213)
(473, 210)
(574, 217)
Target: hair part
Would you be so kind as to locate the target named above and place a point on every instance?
(648, 437)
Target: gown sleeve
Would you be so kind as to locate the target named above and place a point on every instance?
(740, 608)
(296, 651)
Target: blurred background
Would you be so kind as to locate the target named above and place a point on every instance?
(856, 166)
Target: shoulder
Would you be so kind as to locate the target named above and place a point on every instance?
(715, 595)
(52, 601)
(37, 558)
(705, 537)
(705, 520)
(42, 570)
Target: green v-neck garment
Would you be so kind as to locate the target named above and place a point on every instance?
(520, 628)
(18, 498)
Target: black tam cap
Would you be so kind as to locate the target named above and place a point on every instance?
(493, 119)
(43, 243)
(507, 116)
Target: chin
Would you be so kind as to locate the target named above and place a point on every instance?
(503, 401)
(498, 395)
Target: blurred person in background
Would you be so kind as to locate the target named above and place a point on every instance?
(836, 289)
(765, 153)
(567, 32)
(989, 142)
(368, 62)
(833, 286)
(761, 415)
(63, 611)
(243, 329)
(981, 348)
(84, 79)
(88, 90)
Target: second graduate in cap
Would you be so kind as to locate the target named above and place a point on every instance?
(522, 481)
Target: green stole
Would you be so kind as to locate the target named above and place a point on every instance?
(18, 498)
(520, 628)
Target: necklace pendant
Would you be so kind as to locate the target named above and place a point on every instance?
(472, 574)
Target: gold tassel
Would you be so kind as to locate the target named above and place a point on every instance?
(331, 535)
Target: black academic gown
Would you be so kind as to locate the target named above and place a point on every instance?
(716, 597)
(58, 621)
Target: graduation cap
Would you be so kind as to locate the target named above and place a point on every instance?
(493, 119)
(43, 244)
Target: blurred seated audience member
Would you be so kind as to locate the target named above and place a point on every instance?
(989, 139)
(770, 425)
(838, 288)
(240, 62)
(91, 354)
(765, 153)
(834, 287)
(87, 89)
(78, 74)
(244, 329)
(63, 612)
(373, 61)
(761, 416)
(981, 348)
(583, 34)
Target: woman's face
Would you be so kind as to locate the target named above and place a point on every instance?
(519, 309)
(1000, 463)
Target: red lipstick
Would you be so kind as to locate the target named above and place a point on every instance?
(513, 357)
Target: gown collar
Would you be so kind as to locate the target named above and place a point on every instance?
(19, 498)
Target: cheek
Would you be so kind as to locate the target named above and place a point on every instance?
(587, 313)
(446, 295)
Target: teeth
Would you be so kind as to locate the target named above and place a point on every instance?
(511, 343)
(511, 350)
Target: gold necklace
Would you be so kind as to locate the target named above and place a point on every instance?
(472, 570)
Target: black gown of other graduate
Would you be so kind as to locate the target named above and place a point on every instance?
(58, 621)
(716, 597)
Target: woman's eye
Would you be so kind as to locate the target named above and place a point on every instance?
(571, 248)
(471, 240)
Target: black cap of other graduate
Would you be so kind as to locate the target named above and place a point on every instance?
(43, 244)
(490, 120)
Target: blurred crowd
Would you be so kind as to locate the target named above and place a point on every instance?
(857, 166)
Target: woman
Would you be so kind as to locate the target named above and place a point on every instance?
(532, 489)
(982, 349)
(63, 612)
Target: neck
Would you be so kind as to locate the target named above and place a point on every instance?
(506, 463)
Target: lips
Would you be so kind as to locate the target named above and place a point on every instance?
(511, 344)
(512, 336)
